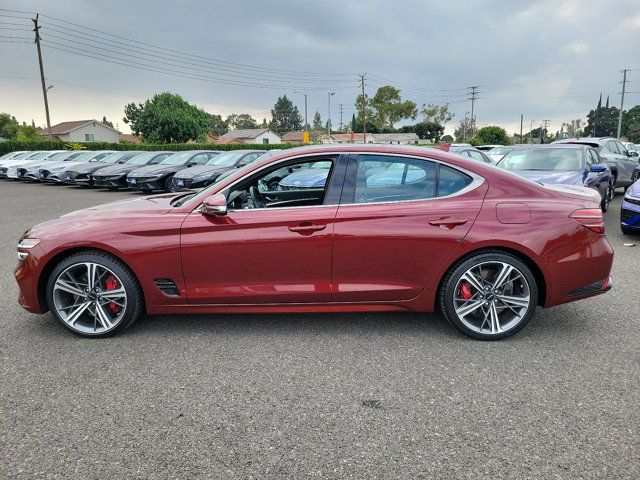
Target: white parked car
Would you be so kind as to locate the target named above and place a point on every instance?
(54, 172)
(38, 159)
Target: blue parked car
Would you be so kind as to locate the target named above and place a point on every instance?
(630, 211)
(313, 177)
(568, 164)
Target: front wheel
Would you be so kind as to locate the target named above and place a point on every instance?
(169, 185)
(489, 296)
(93, 294)
(606, 200)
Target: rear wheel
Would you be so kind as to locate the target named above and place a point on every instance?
(613, 187)
(93, 294)
(489, 296)
(627, 230)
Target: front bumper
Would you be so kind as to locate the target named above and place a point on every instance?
(630, 213)
(190, 184)
(3, 172)
(50, 177)
(111, 181)
(142, 183)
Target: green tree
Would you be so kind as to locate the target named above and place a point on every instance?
(166, 118)
(437, 113)
(491, 135)
(602, 121)
(27, 133)
(390, 108)
(573, 128)
(429, 130)
(8, 126)
(317, 121)
(285, 116)
(216, 125)
(630, 118)
(243, 120)
(464, 130)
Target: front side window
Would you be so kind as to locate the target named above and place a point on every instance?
(296, 184)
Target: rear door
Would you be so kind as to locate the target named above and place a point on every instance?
(398, 220)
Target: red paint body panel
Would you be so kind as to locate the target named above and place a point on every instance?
(367, 257)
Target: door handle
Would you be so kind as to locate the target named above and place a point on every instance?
(307, 228)
(448, 223)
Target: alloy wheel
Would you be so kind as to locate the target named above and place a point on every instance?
(89, 298)
(491, 298)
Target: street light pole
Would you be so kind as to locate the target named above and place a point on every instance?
(330, 94)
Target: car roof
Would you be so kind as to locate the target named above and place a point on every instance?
(551, 145)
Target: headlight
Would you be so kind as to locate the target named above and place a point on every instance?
(28, 242)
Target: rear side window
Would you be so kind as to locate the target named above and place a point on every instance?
(381, 178)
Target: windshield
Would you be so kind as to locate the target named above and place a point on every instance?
(177, 159)
(113, 157)
(39, 156)
(84, 156)
(558, 159)
(226, 159)
(141, 158)
(58, 156)
(500, 150)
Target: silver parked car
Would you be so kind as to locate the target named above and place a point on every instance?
(37, 159)
(54, 173)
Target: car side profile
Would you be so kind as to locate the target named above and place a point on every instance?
(115, 176)
(82, 173)
(483, 245)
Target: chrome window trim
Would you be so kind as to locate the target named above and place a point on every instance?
(476, 181)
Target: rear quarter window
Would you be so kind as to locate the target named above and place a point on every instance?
(451, 181)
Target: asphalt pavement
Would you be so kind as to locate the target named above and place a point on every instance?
(366, 395)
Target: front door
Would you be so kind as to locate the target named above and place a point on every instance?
(273, 246)
(401, 219)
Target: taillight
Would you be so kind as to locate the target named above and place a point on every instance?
(590, 218)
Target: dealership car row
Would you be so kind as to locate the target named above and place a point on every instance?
(602, 164)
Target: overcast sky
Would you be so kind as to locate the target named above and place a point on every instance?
(544, 59)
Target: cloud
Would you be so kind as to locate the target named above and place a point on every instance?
(577, 48)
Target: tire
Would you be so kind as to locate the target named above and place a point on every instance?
(169, 186)
(604, 204)
(627, 230)
(478, 322)
(94, 313)
(613, 189)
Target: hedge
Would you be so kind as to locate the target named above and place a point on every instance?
(12, 146)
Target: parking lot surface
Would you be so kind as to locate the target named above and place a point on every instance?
(366, 395)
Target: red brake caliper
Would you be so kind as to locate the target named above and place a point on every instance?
(112, 284)
(465, 291)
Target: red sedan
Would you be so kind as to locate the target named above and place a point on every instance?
(371, 228)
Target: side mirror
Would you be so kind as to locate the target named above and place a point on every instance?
(633, 153)
(214, 205)
(597, 168)
(191, 164)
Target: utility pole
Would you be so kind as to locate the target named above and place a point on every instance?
(543, 127)
(329, 94)
(473, 96)
(305, 108)
(341, 116)
(36, 29)
(531, 131)
(624, 84)
(364, 111)
(521, 120)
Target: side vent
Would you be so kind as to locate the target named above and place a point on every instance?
(167, 286)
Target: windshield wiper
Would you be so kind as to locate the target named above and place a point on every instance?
(178, 201)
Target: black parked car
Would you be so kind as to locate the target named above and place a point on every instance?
(82, 173)
(202, 175)
(160, 176)
(621, 163)
(115, 176)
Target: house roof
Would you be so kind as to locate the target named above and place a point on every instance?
(127, 137)
(298, 137)
(66, 127)
(394, 137)
(224, 140)
(245, 133)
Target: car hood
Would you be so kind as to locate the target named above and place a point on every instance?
(119, 169)
(89, 167)
(210, 170)
(158, 169)
(86, 219)
(552, 176)
(49, 166)
(308, 177)
(634, 190)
